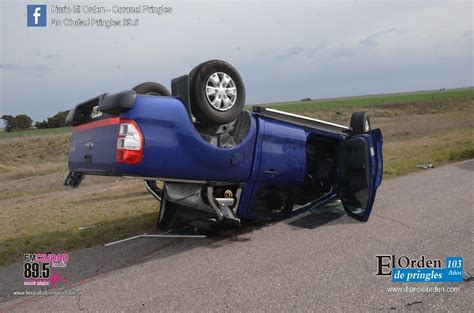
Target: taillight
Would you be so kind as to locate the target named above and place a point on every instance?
(129, 143)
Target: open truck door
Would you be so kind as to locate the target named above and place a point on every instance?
(360, 173)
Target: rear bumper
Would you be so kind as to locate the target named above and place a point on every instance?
(110, 104)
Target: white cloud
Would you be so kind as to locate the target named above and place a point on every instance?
(376, 38)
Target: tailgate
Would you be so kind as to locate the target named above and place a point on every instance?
(96, 124)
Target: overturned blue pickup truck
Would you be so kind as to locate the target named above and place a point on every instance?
(211, 163)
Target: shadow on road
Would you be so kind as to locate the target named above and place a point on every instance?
(332, 212)
(315, 220)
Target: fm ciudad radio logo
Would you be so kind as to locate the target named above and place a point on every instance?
(42, 269)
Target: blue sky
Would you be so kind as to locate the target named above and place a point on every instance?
(283, 50)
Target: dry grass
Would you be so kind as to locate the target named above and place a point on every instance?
(39, 214)
(414, 133)
(50, 215)
(402, 157)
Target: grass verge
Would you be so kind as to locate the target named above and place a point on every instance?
(402, 157)
(66, 240)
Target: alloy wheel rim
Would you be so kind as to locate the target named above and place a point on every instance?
(221, 92)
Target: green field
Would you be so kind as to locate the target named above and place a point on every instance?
(34, 132)
(299, 106)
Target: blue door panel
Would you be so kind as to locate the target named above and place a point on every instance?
(280, 149)
(283, 154)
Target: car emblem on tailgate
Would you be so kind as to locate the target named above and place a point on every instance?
(89, 145)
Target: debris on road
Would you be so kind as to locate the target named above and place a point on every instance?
(87, 227)
(154, 236)
(467, 277)
(425, 165)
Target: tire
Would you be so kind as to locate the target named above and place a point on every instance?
(224, 100)
(360, 122)
(151, 88)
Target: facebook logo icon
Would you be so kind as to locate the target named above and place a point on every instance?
(36, 15)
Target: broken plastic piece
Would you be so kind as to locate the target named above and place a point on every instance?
(155, 236)
(425, 165)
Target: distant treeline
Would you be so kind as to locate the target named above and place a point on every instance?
(23, 122)
(55, 121)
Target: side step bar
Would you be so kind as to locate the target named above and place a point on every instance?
(301, 120)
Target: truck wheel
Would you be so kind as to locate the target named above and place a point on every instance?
(151, 88)
(217, 93)
(360, 122)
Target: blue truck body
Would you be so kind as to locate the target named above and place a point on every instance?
(273, 153)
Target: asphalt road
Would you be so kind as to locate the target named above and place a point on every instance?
(320, 262)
